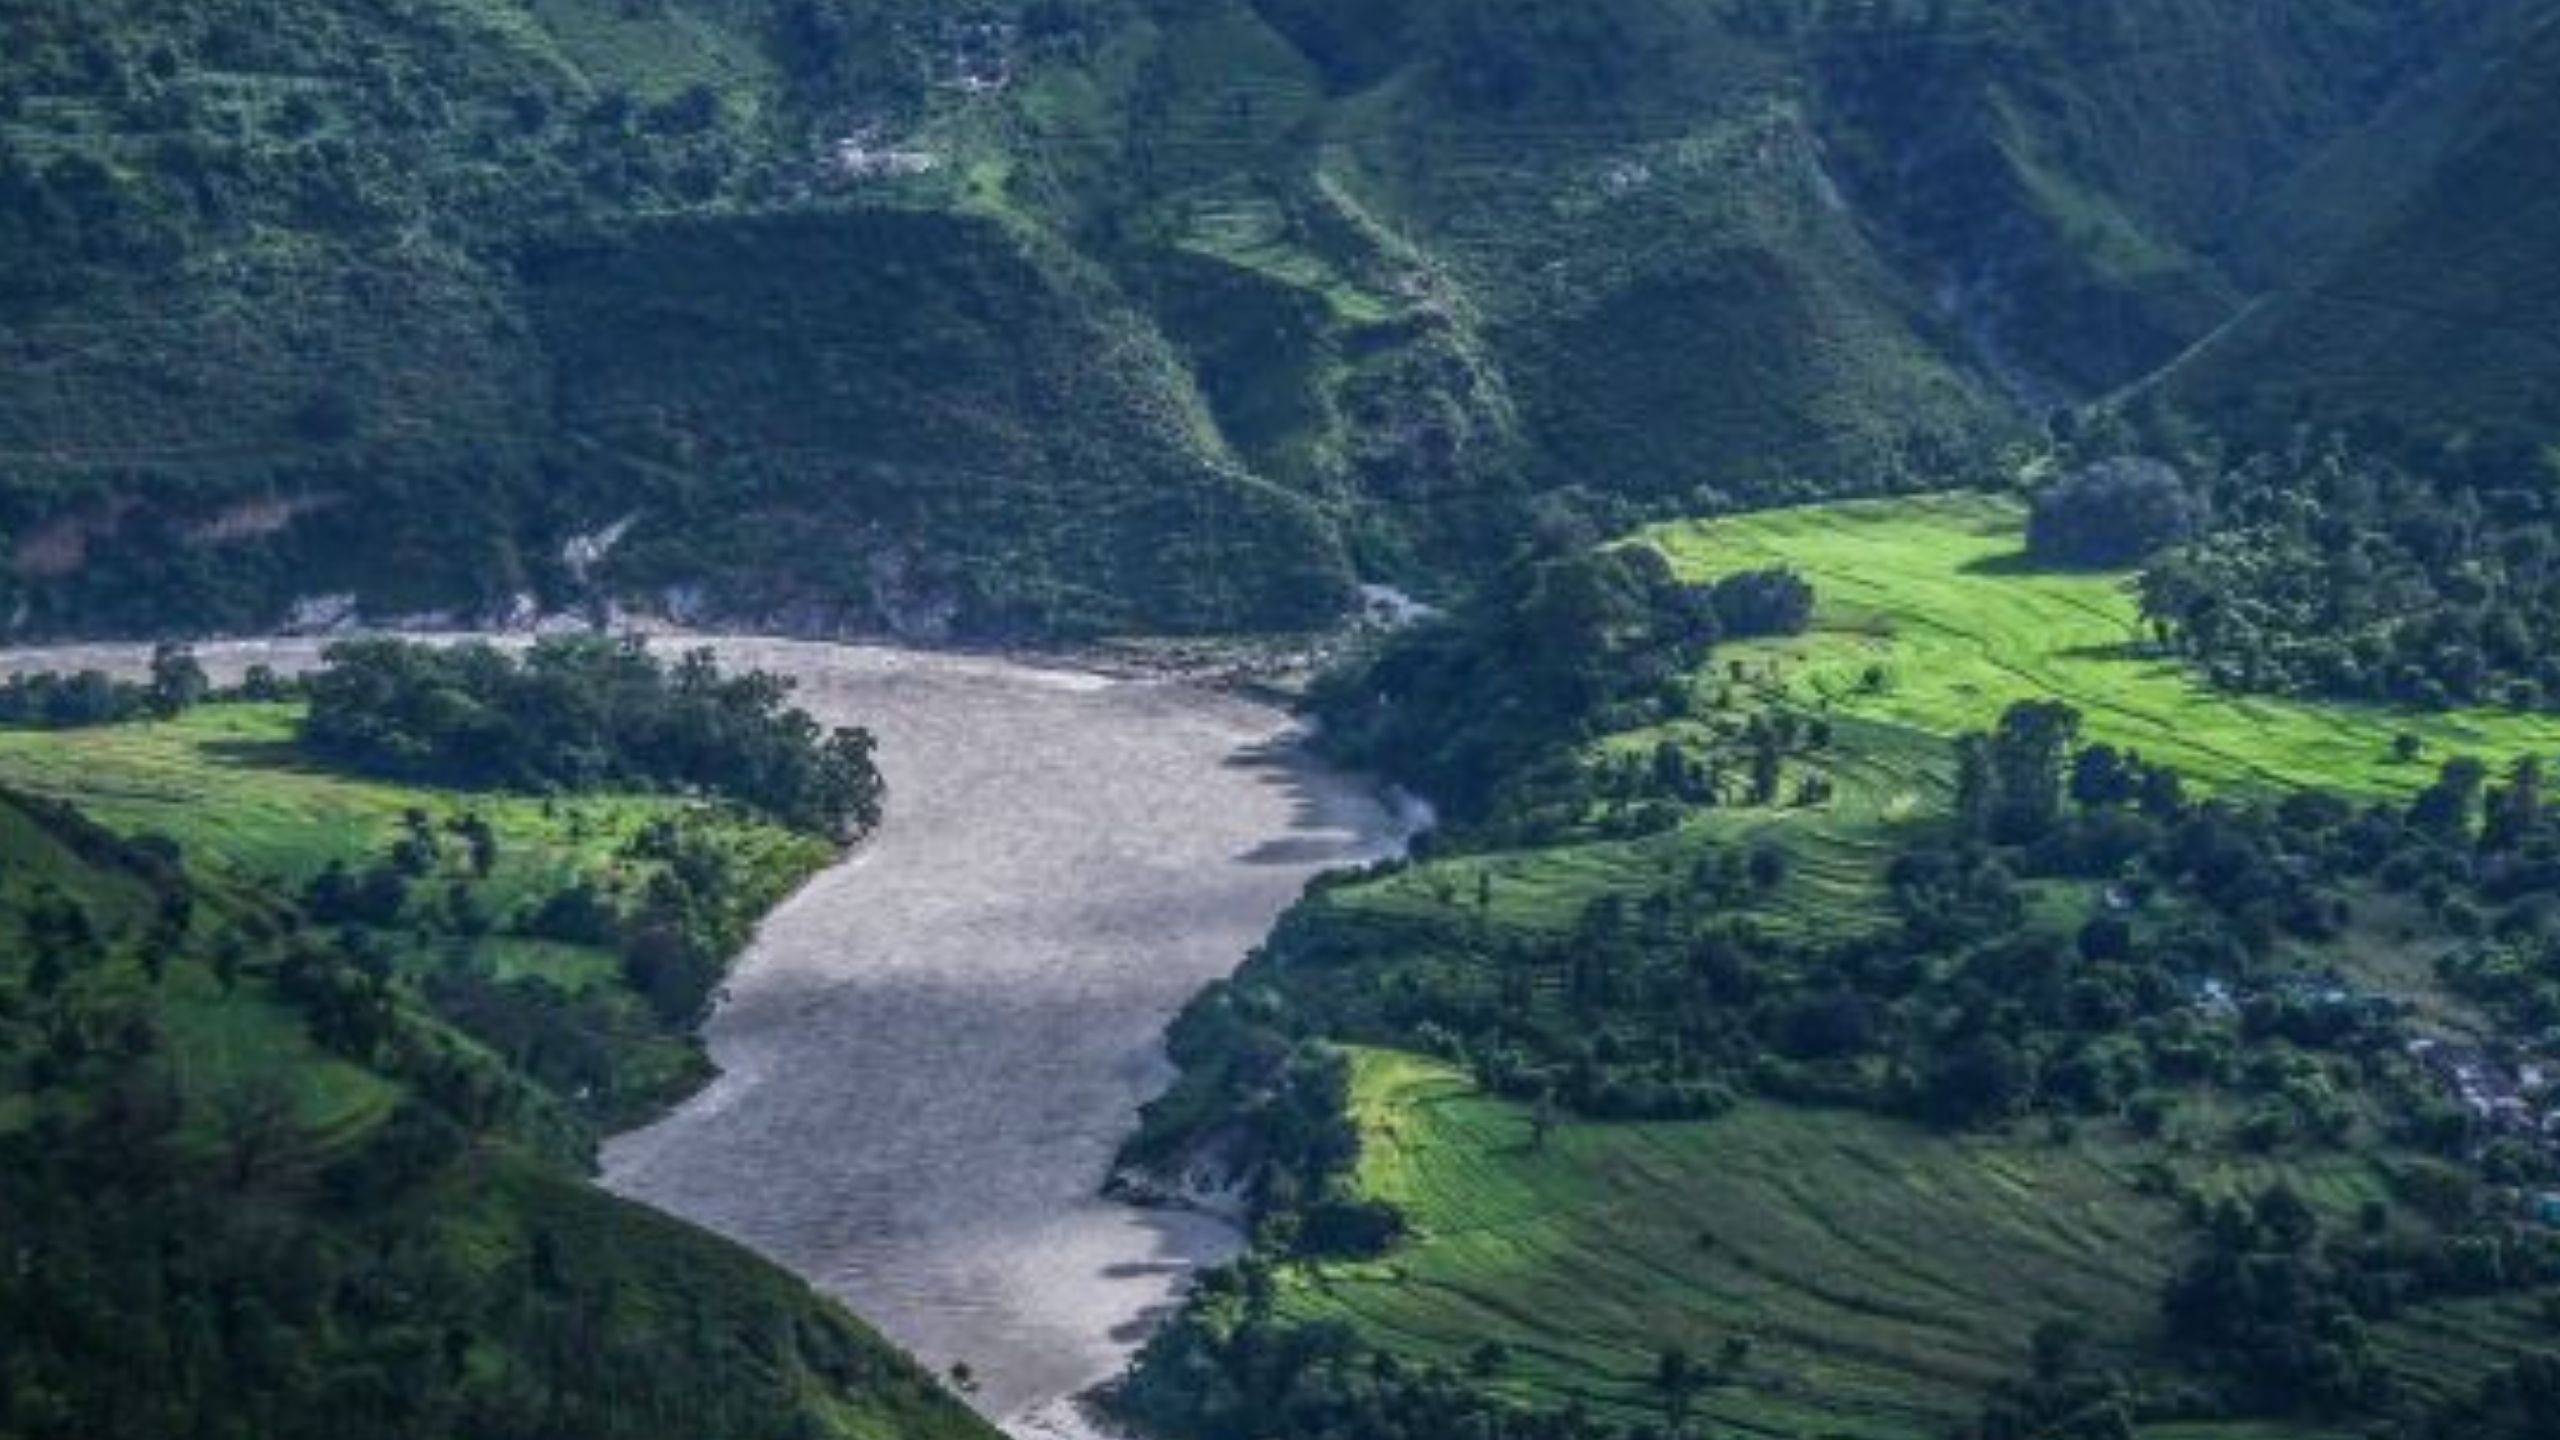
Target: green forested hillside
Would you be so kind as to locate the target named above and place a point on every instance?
(1114, 314)
(2443, 313)
(299, 1075)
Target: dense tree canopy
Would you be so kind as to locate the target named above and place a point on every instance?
(2425, 575)
(585, 712)
(2115, 512)
(1550, 650)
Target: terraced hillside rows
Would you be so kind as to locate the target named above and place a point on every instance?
(1887, 778)
(1837, 1275)
(1820, 1260)
(1876, 1278)
(1928, 623)
(1931, 618)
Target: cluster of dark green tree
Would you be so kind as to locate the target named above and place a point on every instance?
(2111, 513)
(162, 1292)
(51, 700)
(304, 156)
(2273, 1313)
(1553, 650)
(1279, 1098)
(585, 712)
(2424, 574)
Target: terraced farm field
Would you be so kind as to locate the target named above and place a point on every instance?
(1936, 595)
(1885, 777)
(1879, 1276)
(1875, 1277)
(1932, 595)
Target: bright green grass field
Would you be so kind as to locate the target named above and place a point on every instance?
(215, 1042)
(249, 812)
(1886, 778)
(1937, 593)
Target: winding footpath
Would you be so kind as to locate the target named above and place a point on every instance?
(930, 1054)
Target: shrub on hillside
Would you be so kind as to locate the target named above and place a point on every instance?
(2114, 513)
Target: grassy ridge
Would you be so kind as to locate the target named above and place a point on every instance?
(248, 810)
(229, 785)
(213, 1044)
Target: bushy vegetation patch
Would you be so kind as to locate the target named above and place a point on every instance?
(2336, 570)
(588, 713)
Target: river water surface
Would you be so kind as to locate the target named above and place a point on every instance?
(929, 1055)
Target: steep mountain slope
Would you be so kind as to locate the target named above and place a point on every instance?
(2087, 185)
(269, 337)
(1058, 316)
(2447, 312)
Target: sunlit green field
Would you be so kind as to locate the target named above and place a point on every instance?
(1928, 624)
(1877, 1275)
(226, 783)
(1935, 594)
(253, 817)
(1880, 1276)
(215, 1043)
(1887, 779)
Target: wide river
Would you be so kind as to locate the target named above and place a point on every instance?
(930, 1054)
